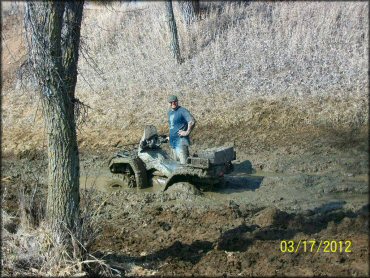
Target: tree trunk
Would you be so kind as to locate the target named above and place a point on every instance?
(189, 10)
(174, 41)
(53, 30)
(71, 42)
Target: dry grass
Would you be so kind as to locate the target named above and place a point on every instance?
(34, 253)
(29, 247)
(311, 57)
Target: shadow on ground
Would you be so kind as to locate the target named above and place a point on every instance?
(240, 180)
(178, 251)
(283, 226)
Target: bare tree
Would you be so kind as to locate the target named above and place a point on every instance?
(174, 41)
(189, 10)
(53, 36)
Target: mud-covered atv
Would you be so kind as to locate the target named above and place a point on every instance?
(138, 166)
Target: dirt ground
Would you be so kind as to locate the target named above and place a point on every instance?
(293, 193)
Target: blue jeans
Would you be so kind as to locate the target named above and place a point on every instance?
(181, 153)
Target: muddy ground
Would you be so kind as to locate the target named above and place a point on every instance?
(287, 193)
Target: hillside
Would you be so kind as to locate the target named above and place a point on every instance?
(285, 68)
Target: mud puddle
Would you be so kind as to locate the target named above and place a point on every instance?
(290, 192)
(235, 229)
(105, 181)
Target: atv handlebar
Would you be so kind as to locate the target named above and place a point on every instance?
(153, 142)
(163, 138)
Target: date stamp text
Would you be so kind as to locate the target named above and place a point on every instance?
(316, 246)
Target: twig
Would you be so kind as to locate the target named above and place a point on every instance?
(11, 54)
(102, 204)
(116, 11)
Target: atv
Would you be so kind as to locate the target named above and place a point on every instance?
(203, 169)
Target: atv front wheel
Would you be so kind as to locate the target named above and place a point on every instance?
(132, 172)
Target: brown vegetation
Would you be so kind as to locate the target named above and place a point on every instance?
(246, 64)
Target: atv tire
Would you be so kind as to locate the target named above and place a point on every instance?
(132, 170)
(141, 176)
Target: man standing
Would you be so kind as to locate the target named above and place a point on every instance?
(181, 123)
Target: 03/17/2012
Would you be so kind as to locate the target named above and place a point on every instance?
(315, 246)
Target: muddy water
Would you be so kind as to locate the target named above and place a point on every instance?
(235, 229)
(290, 192)
(103, 180)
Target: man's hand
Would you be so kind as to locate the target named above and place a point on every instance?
(182, 133)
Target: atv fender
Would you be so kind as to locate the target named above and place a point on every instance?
(136, 164)
(179, 177)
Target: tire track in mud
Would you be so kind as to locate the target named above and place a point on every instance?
(190, 237)
(235, 230)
